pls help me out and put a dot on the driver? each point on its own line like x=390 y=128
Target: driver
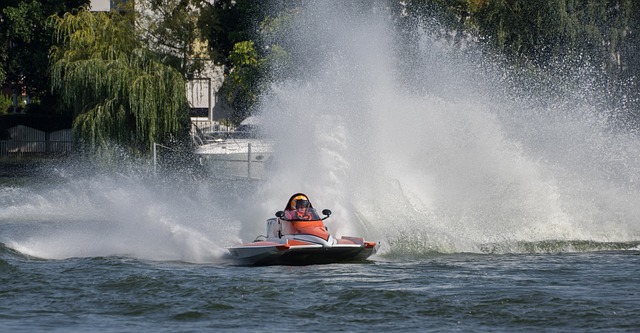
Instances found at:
x=302 y=210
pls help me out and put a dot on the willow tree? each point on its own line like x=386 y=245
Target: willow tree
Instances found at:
x=118 y=92
x=543 y=31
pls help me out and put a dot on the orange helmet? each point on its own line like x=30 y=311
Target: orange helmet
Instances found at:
x=299 y=199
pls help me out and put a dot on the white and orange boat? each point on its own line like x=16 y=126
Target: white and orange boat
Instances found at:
x=298 y=236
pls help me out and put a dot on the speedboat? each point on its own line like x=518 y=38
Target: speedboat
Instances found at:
x=242 y=153
x=301 y=239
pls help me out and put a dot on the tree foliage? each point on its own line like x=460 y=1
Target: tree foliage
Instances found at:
x=227 y=22
x=563 y=35
x=252 y=39
x=25 y=39
x=542 y=31
x=242 y=86
x=118 y=91
x=231 y=29
x=170 y=29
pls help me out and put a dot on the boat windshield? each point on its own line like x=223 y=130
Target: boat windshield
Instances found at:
x=224 y=136
x=310 y=215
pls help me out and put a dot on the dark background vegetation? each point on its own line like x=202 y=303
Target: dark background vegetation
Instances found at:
x=247 y=37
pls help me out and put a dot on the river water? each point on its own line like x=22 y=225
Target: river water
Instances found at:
x=114 y=254
x=502 y=202
x=595 y=291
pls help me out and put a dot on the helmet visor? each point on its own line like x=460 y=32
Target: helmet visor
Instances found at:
x=302 y=204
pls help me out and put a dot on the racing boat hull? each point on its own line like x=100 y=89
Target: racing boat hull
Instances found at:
x=274 y=253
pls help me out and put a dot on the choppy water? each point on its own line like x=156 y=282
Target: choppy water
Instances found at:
x=596 y=291
x=115 y=255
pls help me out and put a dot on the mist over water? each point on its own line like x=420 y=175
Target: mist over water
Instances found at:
x=404 y=140
x=116 y=215
x=445 y=159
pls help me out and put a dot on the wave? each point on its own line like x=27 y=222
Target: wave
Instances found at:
x=111 y=215
x=412 y=250
x=8 y=253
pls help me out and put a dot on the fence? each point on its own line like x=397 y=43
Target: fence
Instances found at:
x=25 y=141
x=34 y=148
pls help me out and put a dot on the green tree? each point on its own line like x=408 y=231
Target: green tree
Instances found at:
x=241 y=87
x=25 y=39
x=170 y=29
x=561 y=35
x=227 y=22
x=118 y=91
x=231 y=30
x=544 y=31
